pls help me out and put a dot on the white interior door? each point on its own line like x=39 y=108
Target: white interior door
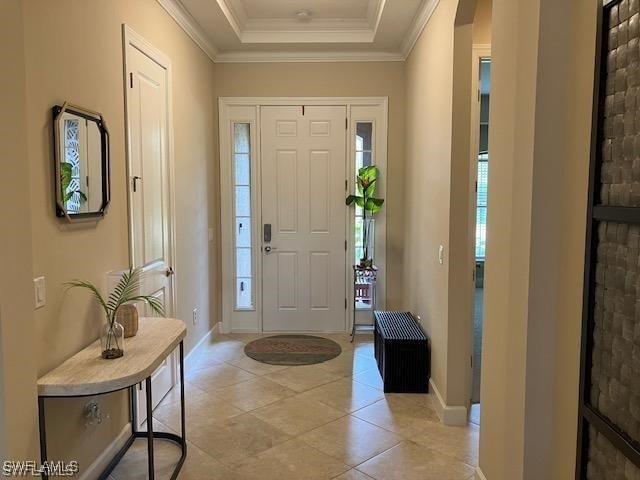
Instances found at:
x=303 y=190
x=150 y=193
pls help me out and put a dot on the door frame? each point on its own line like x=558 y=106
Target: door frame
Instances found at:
x=247 y=110
x=480 y=51
x=135 y=40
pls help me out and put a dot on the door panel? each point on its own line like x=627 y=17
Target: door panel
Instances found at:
x=149 y=193
x=303 y=191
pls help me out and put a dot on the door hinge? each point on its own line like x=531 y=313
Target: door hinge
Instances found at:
x=345 y=245
x=130 y=79
x=346 y=124
x=473 y=275
x=345 y=303
x=471 y=361
x=476 y=186
x=479 y=95
x=302 y=110
x=346 y=185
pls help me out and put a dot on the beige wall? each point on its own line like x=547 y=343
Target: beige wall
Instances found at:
x=482 y=23
x=338 y=80
x=437 y=170
x=429 y=93
x=540 y=133
x=74 y=52
x=18 y=420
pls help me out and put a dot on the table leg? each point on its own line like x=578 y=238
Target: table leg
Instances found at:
x=133 y=409
x=182 y=413
x=150 y=428
x=43 y=435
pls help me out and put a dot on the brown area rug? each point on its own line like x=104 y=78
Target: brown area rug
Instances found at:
x=292 y=350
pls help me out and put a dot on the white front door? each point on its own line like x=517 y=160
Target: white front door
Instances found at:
x=149 y=193
x=303 y=205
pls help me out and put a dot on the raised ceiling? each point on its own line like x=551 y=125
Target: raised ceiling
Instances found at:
x=302 y=30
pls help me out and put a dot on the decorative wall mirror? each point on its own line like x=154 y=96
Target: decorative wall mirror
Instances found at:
x=81 y=157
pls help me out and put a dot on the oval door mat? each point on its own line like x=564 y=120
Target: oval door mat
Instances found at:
x=292 y=349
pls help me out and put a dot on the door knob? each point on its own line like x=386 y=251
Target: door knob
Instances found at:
x=169 y=272
x=268 y=249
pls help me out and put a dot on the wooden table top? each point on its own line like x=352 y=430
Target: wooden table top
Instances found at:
x=87 y=373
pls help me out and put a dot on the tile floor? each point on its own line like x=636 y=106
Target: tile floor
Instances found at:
x=251 y=421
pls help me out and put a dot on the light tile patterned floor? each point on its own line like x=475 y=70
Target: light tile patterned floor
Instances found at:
x=251 y=421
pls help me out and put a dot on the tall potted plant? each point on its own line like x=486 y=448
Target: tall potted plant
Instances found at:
x=366 y=184
x=125 y=292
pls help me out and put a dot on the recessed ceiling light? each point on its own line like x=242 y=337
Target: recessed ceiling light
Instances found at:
x=303 y=15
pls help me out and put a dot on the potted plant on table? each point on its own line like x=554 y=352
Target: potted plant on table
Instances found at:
x=366 y=184
x=125 y=292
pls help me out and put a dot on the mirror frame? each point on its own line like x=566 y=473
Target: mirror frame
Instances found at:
x=58 y=154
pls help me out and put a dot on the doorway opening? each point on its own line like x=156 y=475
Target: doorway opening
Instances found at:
x=287 y=165
x=481 y=162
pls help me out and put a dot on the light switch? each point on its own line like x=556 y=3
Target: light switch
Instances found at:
x=40 y=292
x=441 y=255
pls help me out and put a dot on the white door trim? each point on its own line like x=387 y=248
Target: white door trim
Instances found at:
x=247 y=109
x=133 y=39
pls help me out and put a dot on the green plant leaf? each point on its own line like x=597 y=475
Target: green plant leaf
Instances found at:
x=371 y=189
x=65 y=178
x=374 y=205
x=368 y=173
x=351 y=199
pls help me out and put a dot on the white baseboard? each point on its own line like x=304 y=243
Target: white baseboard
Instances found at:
x=479 y=474
x=189 y=356
x=449 y=415
x=94 y=470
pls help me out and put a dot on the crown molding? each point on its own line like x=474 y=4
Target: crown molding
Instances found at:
x=375 y=14
x=423 y=15
x=184 y=19
x=288 y=57
x=191 y=27
x=235 y=15
x=290 y=30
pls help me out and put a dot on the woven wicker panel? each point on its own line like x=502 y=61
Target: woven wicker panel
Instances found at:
x=615 y=389
x=620 y=172
x=607 y=463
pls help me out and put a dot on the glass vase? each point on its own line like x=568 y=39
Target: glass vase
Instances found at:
x=368 y=242
x=112 y=340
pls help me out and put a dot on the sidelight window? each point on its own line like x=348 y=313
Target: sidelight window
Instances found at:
x=364 y=158
x=244 y=270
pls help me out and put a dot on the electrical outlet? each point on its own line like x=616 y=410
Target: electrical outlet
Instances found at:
x=195 y=316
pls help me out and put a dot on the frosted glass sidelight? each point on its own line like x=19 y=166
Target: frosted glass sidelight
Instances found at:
x=243 y=232
x=244 y=295
x=243 y=169
x=241 y=142
x=243 y=262
x=243 y=201
x=241 y=158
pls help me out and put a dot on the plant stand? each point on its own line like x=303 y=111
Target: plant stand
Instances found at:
x=364 y=292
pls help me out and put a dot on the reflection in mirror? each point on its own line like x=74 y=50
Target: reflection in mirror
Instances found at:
x=82 y=163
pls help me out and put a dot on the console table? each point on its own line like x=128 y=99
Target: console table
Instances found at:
x=87 y=374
